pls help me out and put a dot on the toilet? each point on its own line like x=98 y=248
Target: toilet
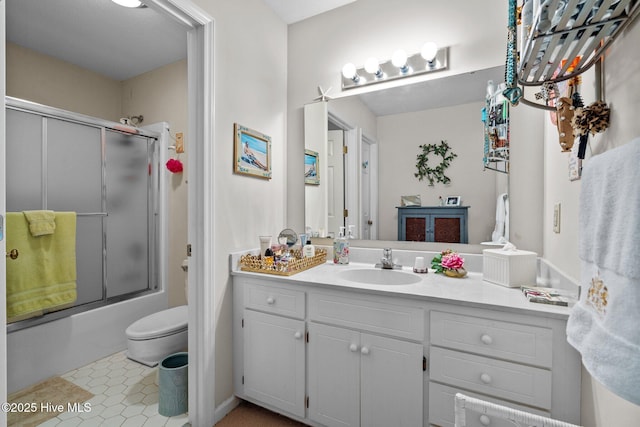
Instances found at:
x=152 y=338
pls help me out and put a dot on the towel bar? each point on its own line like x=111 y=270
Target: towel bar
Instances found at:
x=13 y=254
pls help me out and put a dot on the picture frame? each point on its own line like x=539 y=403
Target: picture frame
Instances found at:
x=251 y=152
x=452 y=201
x=311 y=168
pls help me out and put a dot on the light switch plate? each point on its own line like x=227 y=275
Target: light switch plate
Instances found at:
x=556 y=218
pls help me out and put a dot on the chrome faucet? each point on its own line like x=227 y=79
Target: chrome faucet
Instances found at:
x=387 y=260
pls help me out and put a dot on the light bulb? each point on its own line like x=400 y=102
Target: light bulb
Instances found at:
x=429 y=51
x=128 y=3
x=349 y=71
x=372 y=66
x=399 y=59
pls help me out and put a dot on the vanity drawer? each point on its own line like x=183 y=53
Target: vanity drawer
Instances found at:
x=272 y=299
x=506 y=380
x=442 y=406
x=510 y=341
x=381 y=316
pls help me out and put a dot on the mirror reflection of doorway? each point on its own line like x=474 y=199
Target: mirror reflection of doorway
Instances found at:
x=357 y=180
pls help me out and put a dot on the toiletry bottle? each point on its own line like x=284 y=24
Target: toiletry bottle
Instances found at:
x=350 y=236
x=341 y=248
x=308 y=250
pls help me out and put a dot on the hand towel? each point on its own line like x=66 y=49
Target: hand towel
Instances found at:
x=43 y=277
x=603 y=325
x=41 y=223
x=500 y=232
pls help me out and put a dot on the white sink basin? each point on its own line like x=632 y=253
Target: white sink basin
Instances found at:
x=378 y=276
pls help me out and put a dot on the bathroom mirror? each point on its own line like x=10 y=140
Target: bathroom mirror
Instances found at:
x=287 y=237
x=383 y=130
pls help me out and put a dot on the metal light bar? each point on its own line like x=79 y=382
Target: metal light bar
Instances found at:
x=416 y=65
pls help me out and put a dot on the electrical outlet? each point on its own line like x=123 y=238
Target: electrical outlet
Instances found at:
x=179 y=142
x=556 y=218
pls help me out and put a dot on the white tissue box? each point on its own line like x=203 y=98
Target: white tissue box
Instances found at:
x=511 y=268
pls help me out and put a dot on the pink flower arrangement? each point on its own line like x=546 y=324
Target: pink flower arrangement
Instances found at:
x=452 y=261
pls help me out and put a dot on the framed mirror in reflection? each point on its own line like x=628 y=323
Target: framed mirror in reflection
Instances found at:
x=381 y=132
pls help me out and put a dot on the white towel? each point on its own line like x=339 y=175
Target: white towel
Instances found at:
x=501 y=231
x=603 y=325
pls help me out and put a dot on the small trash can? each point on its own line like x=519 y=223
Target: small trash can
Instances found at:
x=173 y=385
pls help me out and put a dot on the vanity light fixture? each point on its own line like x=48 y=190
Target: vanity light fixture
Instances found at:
x=349 y=72
x=430 y=58
x=399 y=60
x=130 y=3
x=372 y=66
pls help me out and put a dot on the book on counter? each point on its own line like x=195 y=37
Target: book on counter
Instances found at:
x=542 y=295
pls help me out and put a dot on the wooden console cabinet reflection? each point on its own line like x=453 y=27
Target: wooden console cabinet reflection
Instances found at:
x=446 y=224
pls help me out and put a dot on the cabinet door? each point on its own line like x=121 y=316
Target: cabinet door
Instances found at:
x=334 y=376
x=392 y=382
x=274 y=358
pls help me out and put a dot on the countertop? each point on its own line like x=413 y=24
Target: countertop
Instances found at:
x=470 y=290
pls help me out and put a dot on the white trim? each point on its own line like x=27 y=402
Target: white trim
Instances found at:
x=3 y=283
x=227 y=406
x=201 y=205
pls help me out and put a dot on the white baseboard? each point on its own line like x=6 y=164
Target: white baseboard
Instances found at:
x=226 y=407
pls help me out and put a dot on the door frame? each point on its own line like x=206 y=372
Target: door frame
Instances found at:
x=200 y=40
x=354 y=139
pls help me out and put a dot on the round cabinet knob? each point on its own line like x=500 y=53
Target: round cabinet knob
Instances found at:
x=364 y=351
x=353 y=347
x=486 y=339
x=484 y=420
x=485 y=378
x=271 y=300
x=297 y=335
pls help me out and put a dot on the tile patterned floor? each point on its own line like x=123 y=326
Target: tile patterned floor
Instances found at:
x=126 y=395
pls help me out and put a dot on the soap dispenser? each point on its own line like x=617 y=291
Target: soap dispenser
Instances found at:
x=308 y=250
x=341 y=248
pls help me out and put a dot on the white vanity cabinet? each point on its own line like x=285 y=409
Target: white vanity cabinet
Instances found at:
x=328 y=354
x=518 y=361
x=358 y=378
x=274 y=347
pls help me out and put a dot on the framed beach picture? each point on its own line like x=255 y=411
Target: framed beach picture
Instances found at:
x=311 y=168
x=251 y=152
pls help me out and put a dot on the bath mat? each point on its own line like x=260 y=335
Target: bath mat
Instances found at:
x=49 y=398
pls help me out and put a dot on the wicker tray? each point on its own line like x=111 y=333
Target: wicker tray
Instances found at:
x=296 y=263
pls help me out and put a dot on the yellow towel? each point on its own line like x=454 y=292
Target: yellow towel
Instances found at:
x=41 y=223
x=43 y=276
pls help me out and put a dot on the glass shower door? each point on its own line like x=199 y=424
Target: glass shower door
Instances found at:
x=128 y=176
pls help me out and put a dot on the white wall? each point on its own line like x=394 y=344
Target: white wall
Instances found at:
x=600 y=407
x=250 y=89
x=376 y=27
x=321 y=45
x=399 y=138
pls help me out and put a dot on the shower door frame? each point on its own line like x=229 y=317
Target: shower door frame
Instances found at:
x=155 y=216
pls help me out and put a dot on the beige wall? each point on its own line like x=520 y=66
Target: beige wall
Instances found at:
x=158 y=95
x=161 y=95
x=50 y=81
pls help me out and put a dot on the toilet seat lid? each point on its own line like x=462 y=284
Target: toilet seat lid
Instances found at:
x=162 y=323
